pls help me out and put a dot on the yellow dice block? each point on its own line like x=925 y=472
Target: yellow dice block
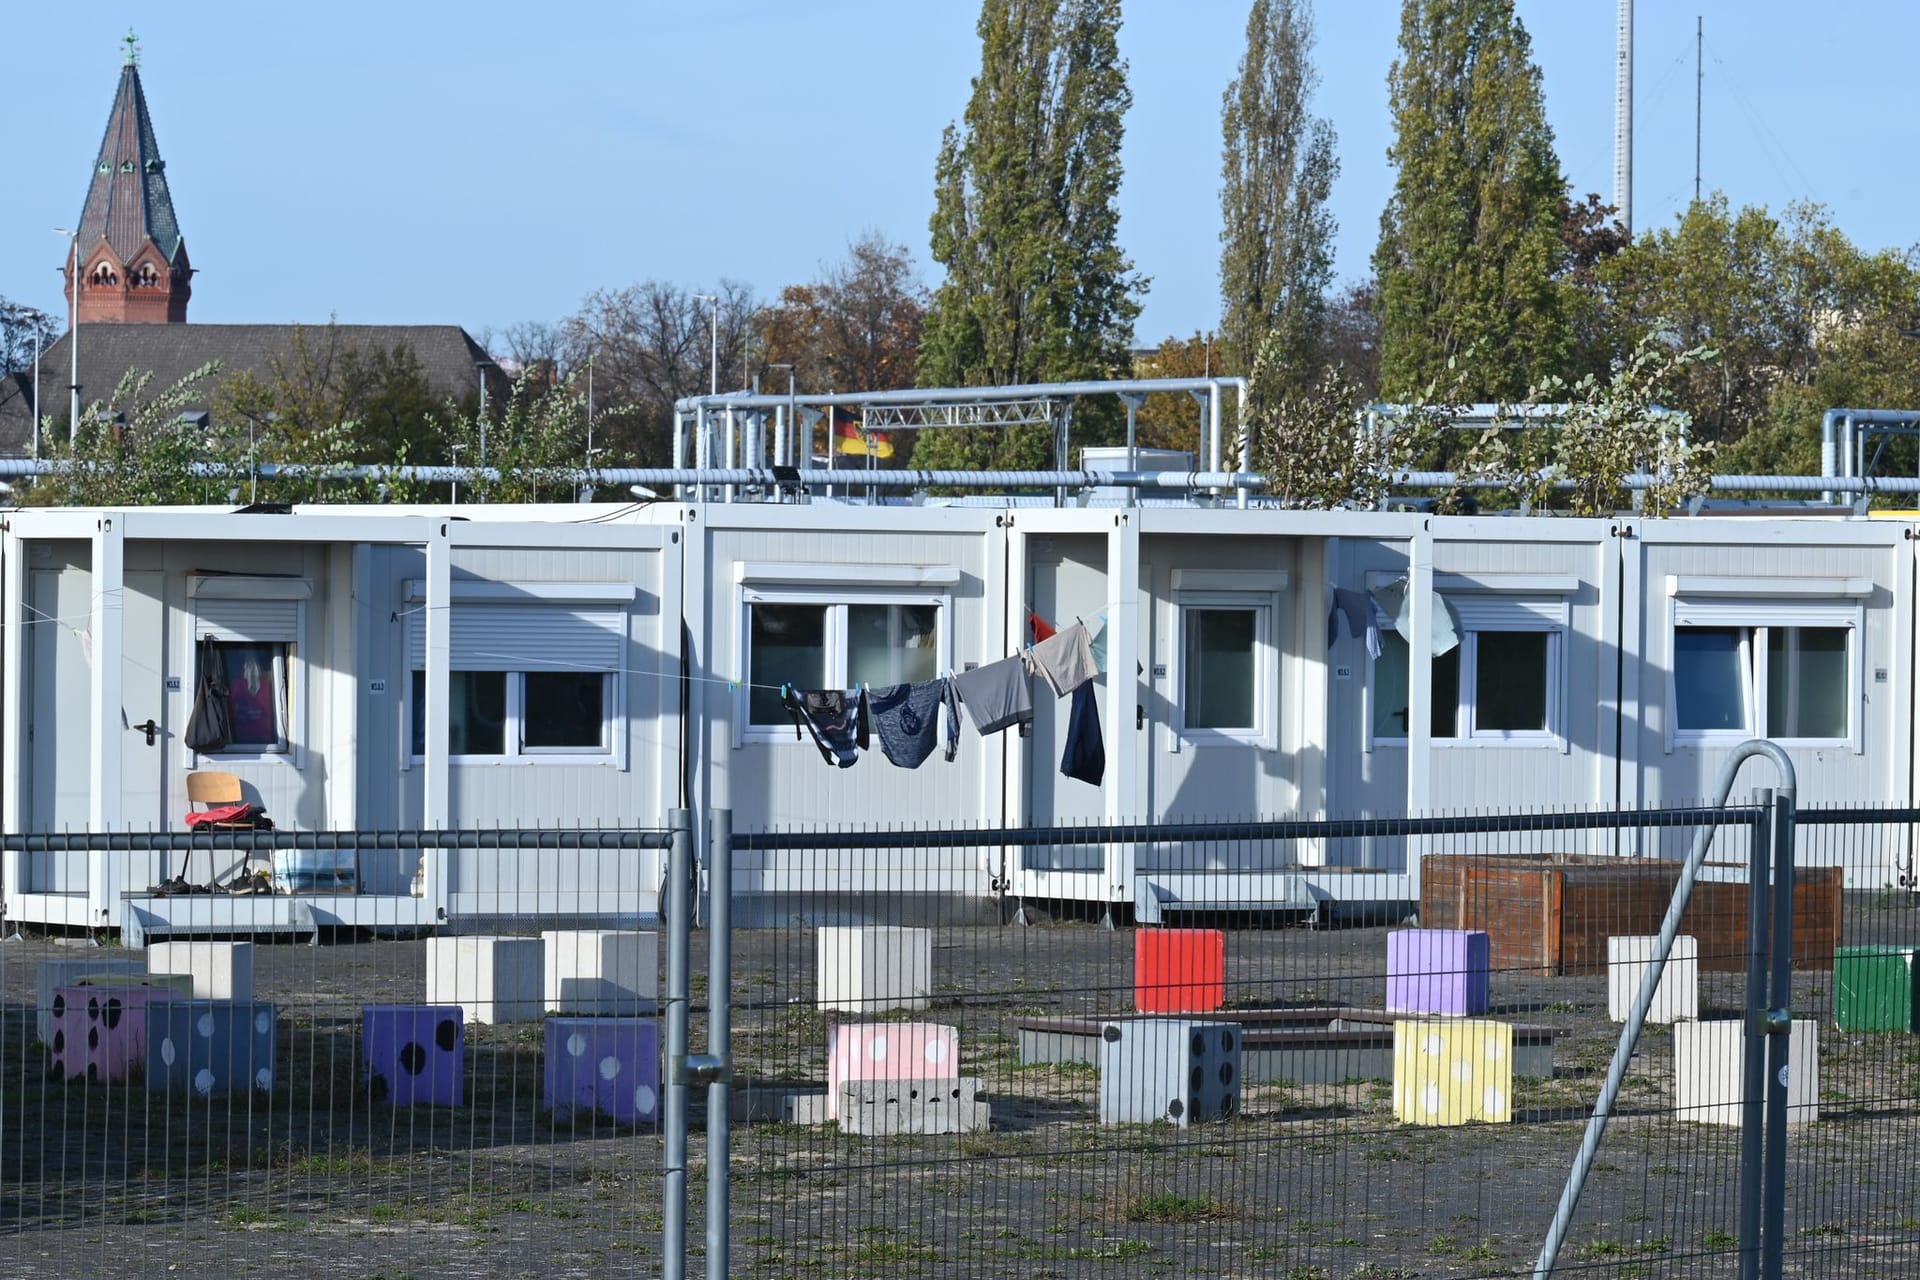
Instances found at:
x=1451 y=1072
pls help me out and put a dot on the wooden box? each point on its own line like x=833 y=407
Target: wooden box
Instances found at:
x=1553 y=913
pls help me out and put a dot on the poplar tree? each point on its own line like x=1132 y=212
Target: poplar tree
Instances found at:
x=1276 y=173
x=1037 y=288
x=1470 y=238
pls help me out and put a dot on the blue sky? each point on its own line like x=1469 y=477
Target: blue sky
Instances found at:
x=489 y=163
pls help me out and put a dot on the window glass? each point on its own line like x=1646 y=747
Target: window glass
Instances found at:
x=1710 y=679
x=1220 y=669
x=563 y=709
x=477 y=723
x=1807 y=682
x=892 y=643
x=256 y=676
x=1391 y=694
x=1510 y=682
x=787 y=644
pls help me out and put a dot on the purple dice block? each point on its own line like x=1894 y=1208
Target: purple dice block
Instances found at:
x=608 y=1065
x=101 y=1032
x=415 y=1054
x=1438 y=971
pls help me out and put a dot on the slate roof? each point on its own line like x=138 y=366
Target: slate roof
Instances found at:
x=447 y=355
x=128 y=200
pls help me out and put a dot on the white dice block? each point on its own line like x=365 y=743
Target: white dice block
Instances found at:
x=870 y=968
x=67 y=971
x=1676 y=999
x=491 y=979
x=602 y=972
x=220 y=970
x=1709 y=1063
x=1182 y=1072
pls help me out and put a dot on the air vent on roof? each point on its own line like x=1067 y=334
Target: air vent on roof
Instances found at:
x=266 y=509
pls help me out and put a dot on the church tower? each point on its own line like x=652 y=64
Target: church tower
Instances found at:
x=133 y=266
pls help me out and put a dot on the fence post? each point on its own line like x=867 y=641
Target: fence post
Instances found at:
x=1779 y=1026
x=719 y=1034
x=679 y=913
x=1753 y=1042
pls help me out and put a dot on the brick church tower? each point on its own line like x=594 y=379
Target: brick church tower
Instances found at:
x=133 y=264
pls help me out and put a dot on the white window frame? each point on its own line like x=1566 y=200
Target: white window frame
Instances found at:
x=1259 y=592
x=834 y=587
x=1707 y=603
x=1500 y=604
x=517 y=753
x=289 y=664
x=613 y=753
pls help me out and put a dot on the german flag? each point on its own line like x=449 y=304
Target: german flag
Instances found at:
x=848 y=438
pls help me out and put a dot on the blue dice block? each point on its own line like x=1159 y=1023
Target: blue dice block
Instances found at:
x=415 y=1053
x=607 y=1065
x=210 y=1048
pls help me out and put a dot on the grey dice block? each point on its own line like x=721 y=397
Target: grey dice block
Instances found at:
x=877 y=1108
x=1183 y=1072
x=210 y=1048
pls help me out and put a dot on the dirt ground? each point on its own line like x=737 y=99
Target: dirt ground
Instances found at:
x=317 y=1178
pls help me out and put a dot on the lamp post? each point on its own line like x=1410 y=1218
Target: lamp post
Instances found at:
x=73 y=328
x=714 y=359
x=454 y=451
x=38 y=320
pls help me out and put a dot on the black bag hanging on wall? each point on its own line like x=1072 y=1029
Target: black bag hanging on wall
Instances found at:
x=210 y=727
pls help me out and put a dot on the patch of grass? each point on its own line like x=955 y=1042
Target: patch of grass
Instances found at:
x=1482 y=1252
x=1719 y=1240
x=1166 y=1207
x=1441 y=1246
x=1600 y=1250
x=880 y=1251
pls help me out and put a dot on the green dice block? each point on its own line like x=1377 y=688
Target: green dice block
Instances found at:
x=1873 y=988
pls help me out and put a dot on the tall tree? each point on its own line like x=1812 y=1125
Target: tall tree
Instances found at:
x=1037 y=287
x=1470 y=239
x=1276 y=173
x=856 y=328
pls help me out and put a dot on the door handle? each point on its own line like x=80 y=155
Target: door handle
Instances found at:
x=151 y=729
x=1139 y=716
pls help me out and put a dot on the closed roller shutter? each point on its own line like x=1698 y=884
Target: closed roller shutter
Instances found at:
x=526 y=637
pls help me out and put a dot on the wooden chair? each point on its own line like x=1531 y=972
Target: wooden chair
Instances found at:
x=208 y=788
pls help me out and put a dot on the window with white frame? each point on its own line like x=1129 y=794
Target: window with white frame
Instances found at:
x=1501 y=683
x=798 y=638
x=1786 y=670
x=1226 y=655
x=252 y=625
x=535 y=672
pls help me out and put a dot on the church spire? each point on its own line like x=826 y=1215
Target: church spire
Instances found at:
x=133 y=259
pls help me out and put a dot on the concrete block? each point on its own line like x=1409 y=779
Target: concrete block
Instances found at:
x=100 y=1032
x=1709 y=1069
x=872 y=968
x=606 y=1065
x=491 y=979
x=602 y=971
x=220 y=970
x=210 y=1048
x=1444 y=971
x=1452 y=1071
x=889 y=1051
x=1676 y=998
x=1179 y=970
x=1180 y=1071
x=68 y=971
x=878 y=1108
x=415 y=1054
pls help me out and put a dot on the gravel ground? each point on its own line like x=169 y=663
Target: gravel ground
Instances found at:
x=1307 y=1182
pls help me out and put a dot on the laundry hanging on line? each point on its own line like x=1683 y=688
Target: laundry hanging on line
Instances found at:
x=1085 y=754
x=1039 y=628
x=997 y=695
x=1396 y=603
x=1065 y=659
x=906 y=719
x=836 y=718
x=1358 y=611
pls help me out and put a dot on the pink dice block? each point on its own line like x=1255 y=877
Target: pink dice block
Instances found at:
x=101 y=1032
x=889 y=1051
x=1445 y=971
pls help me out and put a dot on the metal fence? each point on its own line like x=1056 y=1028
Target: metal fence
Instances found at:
x=850 y=949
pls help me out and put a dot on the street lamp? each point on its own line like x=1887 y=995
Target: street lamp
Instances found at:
x=39 y=321
x=73 y=329
x=714 y=359
x=454 y=450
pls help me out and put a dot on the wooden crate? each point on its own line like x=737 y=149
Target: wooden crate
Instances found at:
x=1553 y=913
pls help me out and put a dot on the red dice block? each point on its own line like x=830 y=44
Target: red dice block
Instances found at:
x=1179 y=970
